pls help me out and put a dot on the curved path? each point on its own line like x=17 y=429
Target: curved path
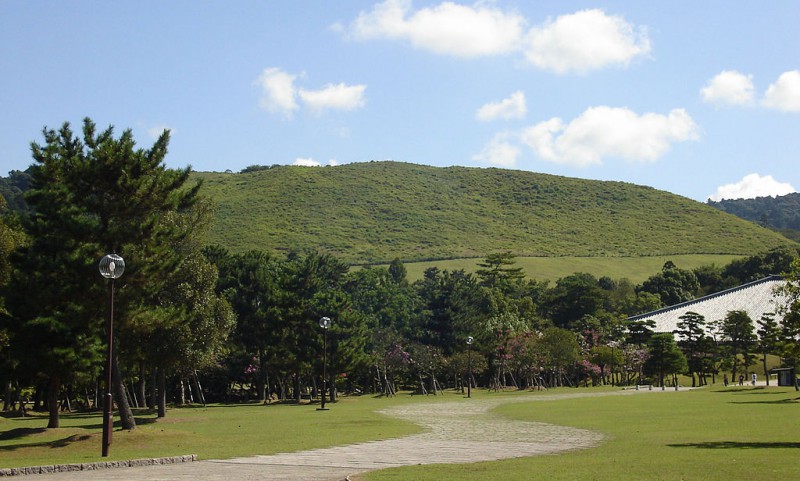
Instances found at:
x=455 y=432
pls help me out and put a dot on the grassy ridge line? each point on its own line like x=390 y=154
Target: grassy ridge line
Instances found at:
x=377 y=211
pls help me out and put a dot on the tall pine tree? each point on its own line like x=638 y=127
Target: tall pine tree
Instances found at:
x=90 y=197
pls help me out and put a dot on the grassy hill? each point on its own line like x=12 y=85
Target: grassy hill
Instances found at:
x=373 y=212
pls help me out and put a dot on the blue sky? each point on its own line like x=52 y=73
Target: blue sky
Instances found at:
x=697 y=98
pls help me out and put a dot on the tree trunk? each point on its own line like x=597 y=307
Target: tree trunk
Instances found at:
x=268 y=393
x=332 y=388
x=260 y=382
x=126 y=419
x=199 y=389
x=53 y=388
x=183 y=392
x=132 y=397
x=96 y=399
x=7 y=396
x=184 y=399
x=142 y=384
x=152 y=401
x=766 y=374
x=162 y=393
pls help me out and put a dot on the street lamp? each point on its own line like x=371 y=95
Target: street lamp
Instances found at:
x=111 y=267
x=324 y=323
x=469 y=366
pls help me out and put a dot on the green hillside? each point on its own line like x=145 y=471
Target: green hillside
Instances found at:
x=373 y=212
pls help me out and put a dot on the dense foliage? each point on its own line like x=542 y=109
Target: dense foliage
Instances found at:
x=245 y=321
x=778 y=212
x=90 y=195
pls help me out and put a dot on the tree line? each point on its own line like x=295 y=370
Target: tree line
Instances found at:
x=780 y=213
x=197 y=323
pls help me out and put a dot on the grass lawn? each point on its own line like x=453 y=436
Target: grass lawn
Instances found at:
x=637 y=269
x=710 y=434
x=213 y=432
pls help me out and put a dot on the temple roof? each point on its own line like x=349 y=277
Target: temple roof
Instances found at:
x=755 y=298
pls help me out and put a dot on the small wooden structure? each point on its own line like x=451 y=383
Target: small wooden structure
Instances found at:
x=786 y=376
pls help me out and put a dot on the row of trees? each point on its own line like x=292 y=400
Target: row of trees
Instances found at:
x=246 y=323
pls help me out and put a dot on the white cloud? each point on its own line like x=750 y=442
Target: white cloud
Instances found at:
x=728 y=87
x=752 y=186
x=513 y=107
x=585 y=40
x=601 y=132
x=309 y=162
x=280 y=95
x=579 y=42
x=278 y=92
x=301 y=162
x=784 y=94
x=499 y=151
x=340 y=97
x=447 y=28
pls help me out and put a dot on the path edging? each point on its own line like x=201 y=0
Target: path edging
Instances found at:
x=61 y=468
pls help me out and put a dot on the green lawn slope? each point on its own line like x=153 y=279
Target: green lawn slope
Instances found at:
x=373 y=212
x=635 y=269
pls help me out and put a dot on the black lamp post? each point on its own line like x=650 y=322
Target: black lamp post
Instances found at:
x=324 y=323
x=469 y=366
x=111 y=267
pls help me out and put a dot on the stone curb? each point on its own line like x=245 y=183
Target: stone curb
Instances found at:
x=61 y=468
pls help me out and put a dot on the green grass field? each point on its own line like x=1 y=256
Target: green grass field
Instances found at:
x=213 y=432
x=637 y=269
x=710 y=434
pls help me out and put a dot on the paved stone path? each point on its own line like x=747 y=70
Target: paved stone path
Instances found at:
x=455 y=432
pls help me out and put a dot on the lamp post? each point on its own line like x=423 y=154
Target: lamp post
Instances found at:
x=111 y=267
x=324 y=323
x=469 y=366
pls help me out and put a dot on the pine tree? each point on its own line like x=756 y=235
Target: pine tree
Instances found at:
x=90 y=197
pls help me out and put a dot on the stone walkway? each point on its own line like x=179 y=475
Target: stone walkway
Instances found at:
x=455 y=432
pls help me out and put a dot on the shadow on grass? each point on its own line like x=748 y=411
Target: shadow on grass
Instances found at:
x=747 y=390
x=20 y=432
x=778 y=401
x=57 y=443
x=735 y=445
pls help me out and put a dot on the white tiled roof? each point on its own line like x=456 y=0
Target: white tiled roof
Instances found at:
x=755 y=298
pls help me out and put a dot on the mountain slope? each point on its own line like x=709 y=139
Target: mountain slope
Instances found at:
x=373 y=212
x=780 y=213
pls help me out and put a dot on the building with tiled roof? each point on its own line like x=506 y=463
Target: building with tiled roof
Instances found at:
x=755 y=298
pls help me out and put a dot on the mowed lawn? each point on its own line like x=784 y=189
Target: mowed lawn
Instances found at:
x=710 y=434
x=636 y=269
x=213 y=432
